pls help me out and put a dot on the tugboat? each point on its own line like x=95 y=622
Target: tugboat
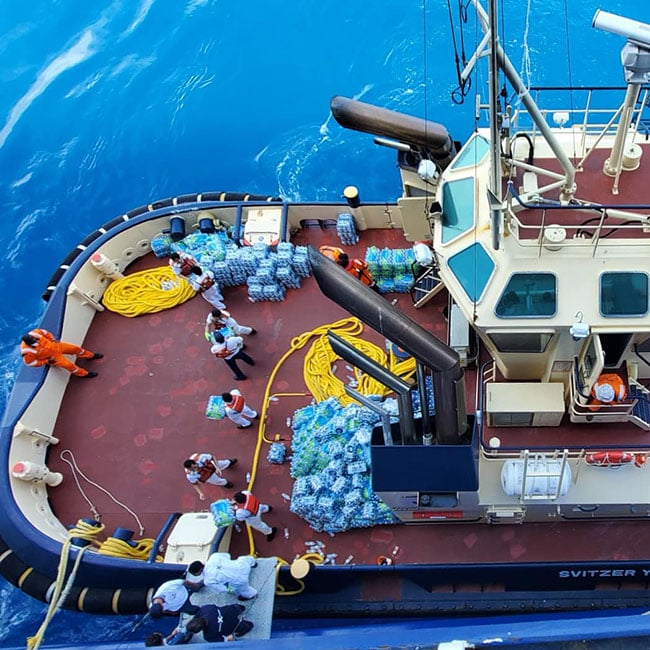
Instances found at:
x=470 y=435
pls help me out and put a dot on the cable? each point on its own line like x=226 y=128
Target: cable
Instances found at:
x=147 y=292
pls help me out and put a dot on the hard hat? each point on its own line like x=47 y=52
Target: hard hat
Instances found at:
x=604 y=392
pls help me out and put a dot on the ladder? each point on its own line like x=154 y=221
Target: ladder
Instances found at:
x=535 y=467
x=427 y=285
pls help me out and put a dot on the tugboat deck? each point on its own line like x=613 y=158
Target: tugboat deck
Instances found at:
x=132 y=427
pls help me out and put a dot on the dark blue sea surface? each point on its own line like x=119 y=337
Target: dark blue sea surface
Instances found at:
x=106 y=106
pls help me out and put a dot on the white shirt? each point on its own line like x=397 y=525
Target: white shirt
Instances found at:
x=174 y=594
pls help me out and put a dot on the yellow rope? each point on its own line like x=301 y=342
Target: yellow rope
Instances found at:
x=119 y=548
x=88 y=532
x=280 y=590
x=60 y=592
x=144 y=293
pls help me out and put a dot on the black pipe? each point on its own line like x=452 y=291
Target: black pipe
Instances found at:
x=349 y=353
x=378 y=313
x=359 y=116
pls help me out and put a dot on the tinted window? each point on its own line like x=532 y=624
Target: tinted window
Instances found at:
x=623 y=294
x=532 y=295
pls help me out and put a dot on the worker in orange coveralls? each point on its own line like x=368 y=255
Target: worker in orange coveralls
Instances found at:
x=608 y=389
x=39 y=348
x=358 y=268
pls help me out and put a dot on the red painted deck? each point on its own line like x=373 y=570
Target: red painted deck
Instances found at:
x=133 y=425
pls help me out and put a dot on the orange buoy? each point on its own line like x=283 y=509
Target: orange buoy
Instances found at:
x=614 y=459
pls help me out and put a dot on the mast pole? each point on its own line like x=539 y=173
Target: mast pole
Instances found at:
x=495 y=150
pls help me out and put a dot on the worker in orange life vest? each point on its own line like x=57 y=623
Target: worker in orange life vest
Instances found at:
x=237 y=409
x=204 y=282
x=609 y=388
x=248 y=508
x=205 y=468
x=182 y=263
x=40 y=348
x=356 y=267
x=230 y=349
x=220 y=318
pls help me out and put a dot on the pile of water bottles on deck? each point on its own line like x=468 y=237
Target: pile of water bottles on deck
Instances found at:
x=330 y=463
x=267 y=271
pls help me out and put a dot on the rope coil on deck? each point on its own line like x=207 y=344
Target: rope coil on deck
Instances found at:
x=120 y=548
x=147 y=292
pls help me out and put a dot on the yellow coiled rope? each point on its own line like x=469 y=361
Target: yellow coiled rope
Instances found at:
x=321 y=381
x=88 y=532
x=119 y=548
x=147 y=292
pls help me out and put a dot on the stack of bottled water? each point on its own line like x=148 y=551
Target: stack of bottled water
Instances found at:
x=267 y=272
x=161 y=245
x=391 y=268
x=346 y=229
x=277 y=453
x=300 y=262
x=331 y=467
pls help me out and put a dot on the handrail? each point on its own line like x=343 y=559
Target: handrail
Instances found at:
x=166 y=527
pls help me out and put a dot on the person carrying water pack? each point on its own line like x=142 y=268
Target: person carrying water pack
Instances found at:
x=220 y=318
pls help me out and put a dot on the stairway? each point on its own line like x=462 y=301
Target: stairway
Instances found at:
x=641 y=412
x=427 y=284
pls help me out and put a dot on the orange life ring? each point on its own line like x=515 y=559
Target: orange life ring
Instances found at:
x=614 y=458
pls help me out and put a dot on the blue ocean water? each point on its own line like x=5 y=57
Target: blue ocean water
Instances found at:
x=109 y=105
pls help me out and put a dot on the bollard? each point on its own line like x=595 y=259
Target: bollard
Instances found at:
x=351 y=195
x=35 y=473
x=106 y=266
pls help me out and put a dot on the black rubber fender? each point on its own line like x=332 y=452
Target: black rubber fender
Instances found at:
x=137 y=211
x=109 y=225
x=89 y=239
x=51 y=285
x=71 y=257
x=83 y=599
x=36 y=584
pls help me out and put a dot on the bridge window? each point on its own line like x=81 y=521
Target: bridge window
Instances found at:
x=528 y=295
x=623 y=294
x=457 y=208
x=472 y=267
x=472 y=154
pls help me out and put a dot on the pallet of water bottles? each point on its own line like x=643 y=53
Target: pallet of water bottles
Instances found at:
x=330 y=465
x=268 y=272
x=391 y=268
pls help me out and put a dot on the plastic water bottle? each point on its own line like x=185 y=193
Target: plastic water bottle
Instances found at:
x=348 y=559
x=395 y=551
x=286 y=533
x=248 y=477
x=286 y=497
